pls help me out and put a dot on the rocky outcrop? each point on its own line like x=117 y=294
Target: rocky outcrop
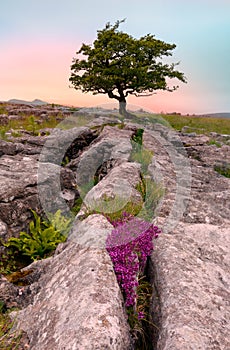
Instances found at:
x=190 y=265
x=33 y=161
x=19 y=191
x=191 y=279
x=192 y=178
x=73 y=300
x=79 y=303
x=116 y=192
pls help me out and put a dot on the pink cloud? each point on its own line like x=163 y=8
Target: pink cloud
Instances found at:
x=36 y=69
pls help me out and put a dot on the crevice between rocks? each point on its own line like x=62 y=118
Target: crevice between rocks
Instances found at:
x=155 y=307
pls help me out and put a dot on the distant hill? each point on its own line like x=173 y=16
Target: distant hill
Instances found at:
x=35 y=102
x=217 y=115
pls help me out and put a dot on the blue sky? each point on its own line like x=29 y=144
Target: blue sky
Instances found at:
x=39 y=38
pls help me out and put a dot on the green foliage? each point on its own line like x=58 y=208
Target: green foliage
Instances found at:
x=77 y=206
x=223 y=169
x=119 y=65
x=59 y=222
x=138 y=137
x=7 y=263
x=214 y=142
x=65 y=161
x=9 y=338
x=16 y=134
x=138 y=318
x=3 y=109
x=200 y=125
x=43 y=237
x=84 y=188
x=113 y=208
x=142 y=156
x=15 y=126
x=32 y=124
x=3 y=135
x=154 y=193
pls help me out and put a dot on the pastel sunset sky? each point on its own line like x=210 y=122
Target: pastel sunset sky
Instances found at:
x=39 y=38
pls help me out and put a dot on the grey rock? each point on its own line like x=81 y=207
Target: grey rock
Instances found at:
x=206 y=195
x=113 y=144
x=79 y=305
x=18 y=179
x=3 y=229
x=191 y=275
x=190 y=266
x=68 y=143
x=3 y=119
x=19 y=192
x=115 y=191
x=10 y=148
x=8 y=293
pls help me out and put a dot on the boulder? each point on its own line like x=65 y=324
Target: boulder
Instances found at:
x=79 y=305
x=190 y=272
x=195 y=192
x=112 y=145
x=3 y=230
x=10 y=148
x=191 y=279
x=19 y=192
x=69 y=143
x=18 y=178
x=116 y=191
x=3 y=119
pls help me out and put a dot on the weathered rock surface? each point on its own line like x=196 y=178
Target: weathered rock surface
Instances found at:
x=191 y=276
x=191 y=260
x=73 y=300
x=22 y=168
x=205 y=192
x=79 y=304
x=115 y=191
x=112 y=144
x=67 y=143
x=19 y=191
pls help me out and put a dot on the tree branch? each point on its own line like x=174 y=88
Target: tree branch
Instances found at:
x=145 y=95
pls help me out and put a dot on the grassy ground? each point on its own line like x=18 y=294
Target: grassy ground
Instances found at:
x=28 y=123
x=200 y=125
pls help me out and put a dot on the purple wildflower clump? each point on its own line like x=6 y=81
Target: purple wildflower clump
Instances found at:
x=129 y=245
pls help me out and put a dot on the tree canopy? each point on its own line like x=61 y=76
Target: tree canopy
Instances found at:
x=119 y=65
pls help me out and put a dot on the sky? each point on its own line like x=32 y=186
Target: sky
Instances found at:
x=39 y=38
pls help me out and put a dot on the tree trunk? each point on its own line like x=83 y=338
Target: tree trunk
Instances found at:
x=123 y=111
x=122 y=108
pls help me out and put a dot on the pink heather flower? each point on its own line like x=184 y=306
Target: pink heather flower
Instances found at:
x=141 y=315
x=129 y=245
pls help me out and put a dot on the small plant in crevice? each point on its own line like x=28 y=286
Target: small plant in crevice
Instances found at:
x=43 y=238
x=215 y=143
x=140 y=154
x=152 y=193
x=139 y=319
x=223 y=169
x=129 y=245
x=143 y=156
x=9 y=338
x=138 y=136
x=77 y=205
x=8 y=263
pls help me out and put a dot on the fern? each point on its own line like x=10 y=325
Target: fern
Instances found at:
x=43 y=237
x=60 y=222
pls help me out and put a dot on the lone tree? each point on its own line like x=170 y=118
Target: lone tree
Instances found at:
x=119 y=65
